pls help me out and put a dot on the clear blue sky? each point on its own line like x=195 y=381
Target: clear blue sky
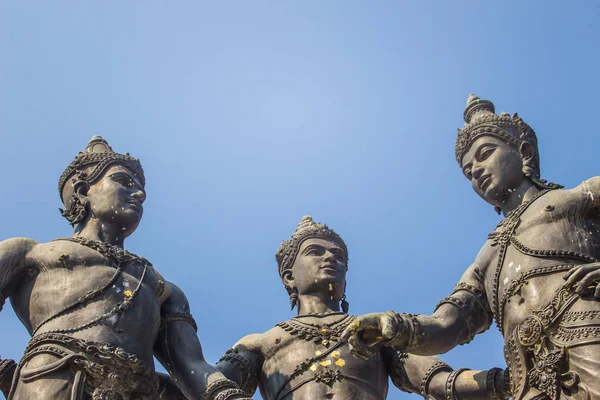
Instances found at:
x=248 y=115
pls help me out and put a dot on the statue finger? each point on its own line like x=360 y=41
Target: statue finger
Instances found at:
x=388 y=328
x=350 y=330
x=597 y=291
x=587 y=281
x=576 y=275
x=358 y=348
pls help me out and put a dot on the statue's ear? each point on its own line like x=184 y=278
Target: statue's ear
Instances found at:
x=79 y=204
x=527 y=151
x=288 y=279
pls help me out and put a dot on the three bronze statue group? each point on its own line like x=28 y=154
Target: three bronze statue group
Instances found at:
x=98 y=314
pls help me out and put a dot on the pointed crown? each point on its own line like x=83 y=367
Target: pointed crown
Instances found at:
x=92 y=162
x=481 y=119
x=307 y=228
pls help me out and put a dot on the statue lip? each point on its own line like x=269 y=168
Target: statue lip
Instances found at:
x=484 y=181
x=136 y=204
x=330 y=267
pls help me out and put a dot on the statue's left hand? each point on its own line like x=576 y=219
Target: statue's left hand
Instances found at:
x=369 y=330
x=583 y=277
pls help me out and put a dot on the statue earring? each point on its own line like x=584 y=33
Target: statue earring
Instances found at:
x=293 y=298
x=345 y=304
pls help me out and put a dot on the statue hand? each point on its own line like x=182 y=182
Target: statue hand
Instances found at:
x=583 y=277
x=369 y=330
x=7 y=370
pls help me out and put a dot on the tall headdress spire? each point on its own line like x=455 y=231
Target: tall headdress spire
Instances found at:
x=307 y=228
x=87 y=168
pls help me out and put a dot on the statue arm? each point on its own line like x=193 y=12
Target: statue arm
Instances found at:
x=168 y=389
x=13 y=264
x=431 y=377
x=243 y=363
x=178 y=349
x=456 y=320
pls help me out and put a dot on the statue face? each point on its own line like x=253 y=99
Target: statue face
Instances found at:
x=117 y=198
x=494 y=169
x=320 y=267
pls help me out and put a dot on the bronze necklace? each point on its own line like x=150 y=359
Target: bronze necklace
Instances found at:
x=317 y=333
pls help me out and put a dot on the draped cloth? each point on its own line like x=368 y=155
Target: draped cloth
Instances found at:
x=57 y=366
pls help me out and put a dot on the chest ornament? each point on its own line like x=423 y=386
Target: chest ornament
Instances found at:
x=324 y=334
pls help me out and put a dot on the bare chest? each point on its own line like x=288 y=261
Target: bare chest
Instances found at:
x=72 y=288
x=529 y=252
x=302 y=367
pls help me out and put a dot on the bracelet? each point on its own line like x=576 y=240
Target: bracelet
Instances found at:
x=438 y=366
x=490 y=383
x=223 y=389
x=403 y=323
x=451 y=383
x=229 y=394
x=416 y=332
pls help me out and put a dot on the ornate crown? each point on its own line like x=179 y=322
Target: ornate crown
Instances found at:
x=307 y=228
x=481 y=120
x=94 y=160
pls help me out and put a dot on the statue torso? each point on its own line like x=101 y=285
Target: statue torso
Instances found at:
x=331 y=373
x=527 y=255
x=61 y=273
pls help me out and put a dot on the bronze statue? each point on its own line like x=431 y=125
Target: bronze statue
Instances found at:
x=537 y=274
x=97 y=313
x=305 y=358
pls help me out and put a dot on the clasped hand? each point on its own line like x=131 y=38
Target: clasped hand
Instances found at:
x=370 y=331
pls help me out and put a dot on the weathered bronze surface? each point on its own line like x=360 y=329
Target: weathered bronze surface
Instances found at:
x=537 y=275
x=96 y=312
x=305 y=358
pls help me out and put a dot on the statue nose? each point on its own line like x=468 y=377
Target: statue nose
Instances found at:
x=476 y=171
x=140 y=195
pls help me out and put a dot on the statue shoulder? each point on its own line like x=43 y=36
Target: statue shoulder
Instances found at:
x=18 y=243
x=253 y=343
x=584 y=196
x=589 y=188
x=17 y=250
x=15 y=258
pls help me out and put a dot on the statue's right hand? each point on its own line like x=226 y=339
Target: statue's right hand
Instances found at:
x=366 y=332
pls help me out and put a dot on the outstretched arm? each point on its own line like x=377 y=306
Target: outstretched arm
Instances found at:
x=178 y=349
x=432 y=378
x=243 y=363
x=456 y=320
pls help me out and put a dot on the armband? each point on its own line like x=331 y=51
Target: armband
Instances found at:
x=185 y=317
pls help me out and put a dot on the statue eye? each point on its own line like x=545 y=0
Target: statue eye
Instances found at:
x=486 y=153
x=467 y=173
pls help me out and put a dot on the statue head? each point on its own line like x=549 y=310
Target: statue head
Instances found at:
x=105 y=185
x=314 y=260
x=497 y=152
